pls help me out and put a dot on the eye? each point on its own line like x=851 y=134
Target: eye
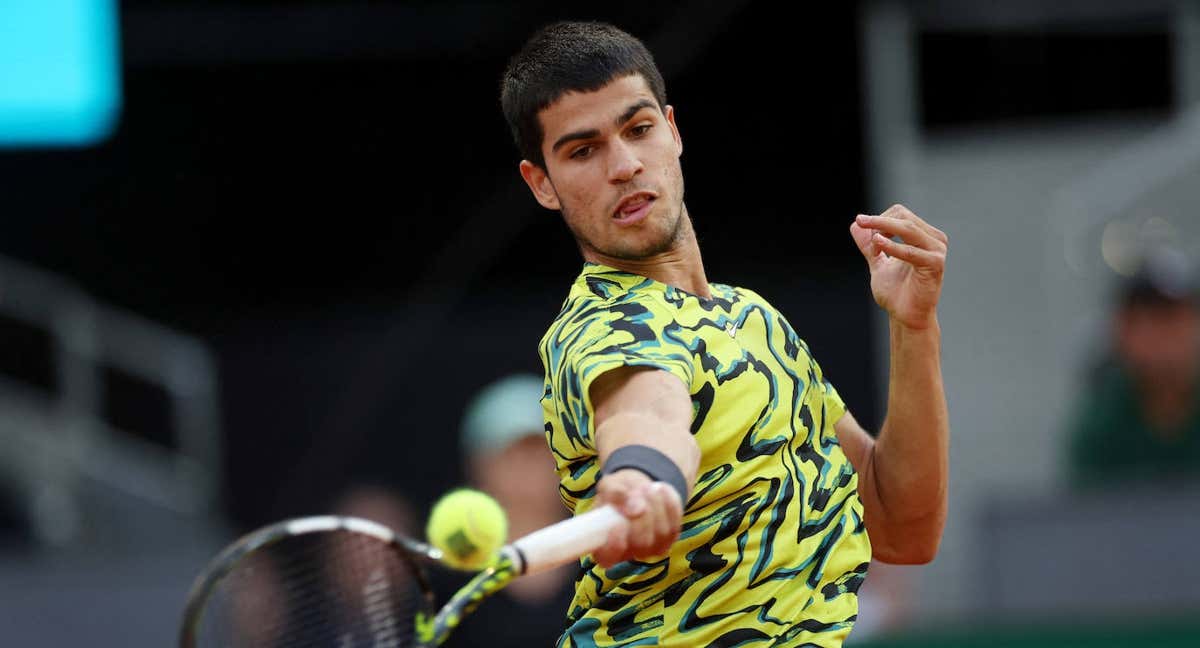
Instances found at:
x=581 y=152
x=641 y=129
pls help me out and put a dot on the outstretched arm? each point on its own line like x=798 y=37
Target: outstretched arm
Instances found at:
x=646 y=407
x=903 y=474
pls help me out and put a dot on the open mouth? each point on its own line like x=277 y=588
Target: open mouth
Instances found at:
x=633 y=208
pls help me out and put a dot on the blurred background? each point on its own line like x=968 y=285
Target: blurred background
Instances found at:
x=258 y=257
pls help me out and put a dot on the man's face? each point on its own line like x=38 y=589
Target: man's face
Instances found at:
x=612 y=169
x=1160 y=342
x=520 y=476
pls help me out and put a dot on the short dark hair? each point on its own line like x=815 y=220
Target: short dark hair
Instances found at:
x=568 y=57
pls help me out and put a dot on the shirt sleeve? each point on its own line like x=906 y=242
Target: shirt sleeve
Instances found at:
x=833 y=407
x=633 y=333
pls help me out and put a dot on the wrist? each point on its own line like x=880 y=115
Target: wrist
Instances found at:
x=628 y=476
x=915 y=342
x=650 y=462
x=928 y=326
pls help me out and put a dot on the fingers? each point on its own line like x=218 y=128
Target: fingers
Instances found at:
x=650 y=532
x=904 y=213
x=614 y=548
x=624 y=490
x=933 y=261
x=670 y=518
x=643 y=530
x=910 y=231
x=924 y=246
x=862 y=239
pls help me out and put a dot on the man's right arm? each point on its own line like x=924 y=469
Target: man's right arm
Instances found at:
x=647 y=407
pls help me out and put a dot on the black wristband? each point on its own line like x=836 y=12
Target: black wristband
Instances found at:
x=654 y=464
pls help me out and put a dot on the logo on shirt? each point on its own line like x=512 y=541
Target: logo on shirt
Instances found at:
x=731 y=328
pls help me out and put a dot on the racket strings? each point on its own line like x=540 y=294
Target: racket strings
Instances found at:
x=335 y=590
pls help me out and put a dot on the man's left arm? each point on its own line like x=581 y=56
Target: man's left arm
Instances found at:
x=903 y=473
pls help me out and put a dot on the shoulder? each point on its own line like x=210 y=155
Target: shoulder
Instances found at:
x=747 y=299
x=595 y=311
x=740 y=297
x=741 y=293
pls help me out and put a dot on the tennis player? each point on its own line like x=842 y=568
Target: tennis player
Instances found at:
x=694 y=407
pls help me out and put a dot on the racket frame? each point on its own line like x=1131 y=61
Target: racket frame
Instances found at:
x=229 y=558
x=541 y=550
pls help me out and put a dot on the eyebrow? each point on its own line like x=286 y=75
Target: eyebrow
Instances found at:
x=634 y=109
x=590 y=133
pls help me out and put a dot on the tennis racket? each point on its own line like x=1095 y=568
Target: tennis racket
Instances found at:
x=344 y=582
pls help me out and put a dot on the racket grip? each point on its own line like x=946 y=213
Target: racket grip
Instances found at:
x=564 y=542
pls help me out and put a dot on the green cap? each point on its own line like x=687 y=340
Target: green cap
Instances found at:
x=503 y=412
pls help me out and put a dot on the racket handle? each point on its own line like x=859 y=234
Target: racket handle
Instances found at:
x=564 y=542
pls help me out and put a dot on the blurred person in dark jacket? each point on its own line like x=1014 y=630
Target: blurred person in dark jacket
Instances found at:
x=1139 y=419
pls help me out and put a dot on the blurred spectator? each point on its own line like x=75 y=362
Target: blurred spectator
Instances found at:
x=505 y=450
x=1139 y=419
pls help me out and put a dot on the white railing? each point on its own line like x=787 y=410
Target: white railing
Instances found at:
x=53 y=444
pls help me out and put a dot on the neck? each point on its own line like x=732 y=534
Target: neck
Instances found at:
x=680 y=265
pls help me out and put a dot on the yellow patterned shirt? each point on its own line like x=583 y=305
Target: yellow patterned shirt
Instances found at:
x=773 y=547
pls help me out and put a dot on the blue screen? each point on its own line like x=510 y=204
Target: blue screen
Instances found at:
x=60 y=73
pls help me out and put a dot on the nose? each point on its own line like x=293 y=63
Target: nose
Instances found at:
x=623 y=164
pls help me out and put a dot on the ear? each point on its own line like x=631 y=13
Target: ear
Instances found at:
x=670 y=114
x=539 y=183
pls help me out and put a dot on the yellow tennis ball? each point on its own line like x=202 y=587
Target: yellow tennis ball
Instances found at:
x=468 y=526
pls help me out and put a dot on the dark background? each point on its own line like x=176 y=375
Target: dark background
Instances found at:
x=341 y=216
x=327 y=194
